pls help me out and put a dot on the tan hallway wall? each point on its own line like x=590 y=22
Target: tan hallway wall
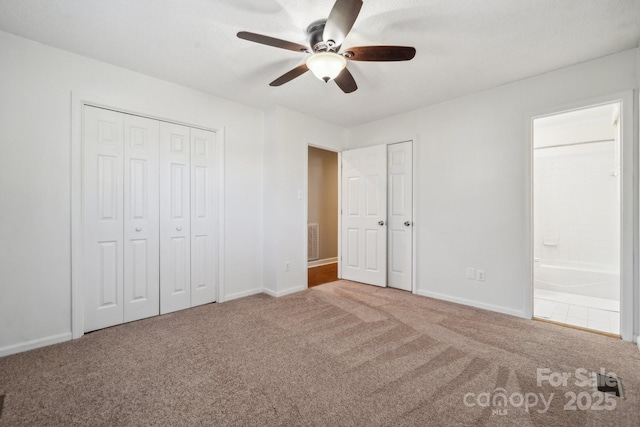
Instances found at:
x=323 y=199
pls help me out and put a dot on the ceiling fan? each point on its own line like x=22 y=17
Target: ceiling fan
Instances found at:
x=325 y=36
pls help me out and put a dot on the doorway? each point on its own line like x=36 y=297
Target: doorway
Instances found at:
x=577 y=217
x=322 y=217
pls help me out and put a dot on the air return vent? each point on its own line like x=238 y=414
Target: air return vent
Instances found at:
x=313 y=245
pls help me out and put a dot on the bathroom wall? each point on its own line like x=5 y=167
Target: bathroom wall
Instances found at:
x=576 y=189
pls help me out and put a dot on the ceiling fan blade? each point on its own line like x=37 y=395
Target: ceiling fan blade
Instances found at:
x=380 y=53
x=271 y=41
x=290 y=75
x=346 y=82
x=341 y=20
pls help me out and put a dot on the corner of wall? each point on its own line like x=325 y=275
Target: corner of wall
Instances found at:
x=277 y=294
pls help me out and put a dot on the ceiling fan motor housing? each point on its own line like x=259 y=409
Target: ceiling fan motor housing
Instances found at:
x=315 y=33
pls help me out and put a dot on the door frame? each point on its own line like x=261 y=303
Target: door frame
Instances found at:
x=121 y=104
x=414 y=210
x=628 y=206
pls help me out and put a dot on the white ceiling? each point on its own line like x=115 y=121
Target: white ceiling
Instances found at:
x=463 y=46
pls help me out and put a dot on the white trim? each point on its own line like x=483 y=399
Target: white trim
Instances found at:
x=221 y=291
x=320 y=262
x=78 y=101
x=37 y=343
x=414 y=202
x=472 y=303
x=628 y=214
x=244 y=294
x=77 y=290
x=636 y=212
x=282 y=293
x=414 y=215
x=305 y=210
x=340 y=214
x=527 y=300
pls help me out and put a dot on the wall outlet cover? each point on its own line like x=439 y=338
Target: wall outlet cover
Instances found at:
x=471 y=273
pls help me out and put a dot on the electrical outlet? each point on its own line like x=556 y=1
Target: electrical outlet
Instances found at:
x=287 y=266
x=471 y=273
x=480 y=275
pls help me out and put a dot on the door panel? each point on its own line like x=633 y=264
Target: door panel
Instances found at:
x=364 y=200
x=109 y=268
x=204 y=217
x=141 y=289
x=175 y=226
x=102 y=218
x=141 y=226
x=400 y=169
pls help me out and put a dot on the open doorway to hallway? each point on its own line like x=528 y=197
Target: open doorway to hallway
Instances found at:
x=577 y=218
x=322 y=216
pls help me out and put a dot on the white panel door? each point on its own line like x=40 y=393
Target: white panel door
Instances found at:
x=102 y=218
x=364 y=215
x=204 y=216
x=400 y=208
x=175 y=217
x=141 y=224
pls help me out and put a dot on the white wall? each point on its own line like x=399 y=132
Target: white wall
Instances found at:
x=636 y=131
x=288 y=134
x=473 y=166
x=36 y=82
x=576 y=190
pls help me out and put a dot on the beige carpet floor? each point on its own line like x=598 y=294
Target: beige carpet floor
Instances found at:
x=341 y=354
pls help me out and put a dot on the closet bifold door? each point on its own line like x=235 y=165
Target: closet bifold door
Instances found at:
x=141 y=225
x=175 y=217
x=204 y=211
x=120 y=218
x=102 y=218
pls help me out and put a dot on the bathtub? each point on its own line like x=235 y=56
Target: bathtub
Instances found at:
x=575 y=278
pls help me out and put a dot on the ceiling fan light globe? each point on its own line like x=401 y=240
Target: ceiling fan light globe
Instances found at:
x=326 y=65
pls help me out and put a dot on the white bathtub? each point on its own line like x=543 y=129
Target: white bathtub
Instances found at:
x=574 y=278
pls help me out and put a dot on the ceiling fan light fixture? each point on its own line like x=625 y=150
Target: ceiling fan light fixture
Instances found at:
x=326 y=65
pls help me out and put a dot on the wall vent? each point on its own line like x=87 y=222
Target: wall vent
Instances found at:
x=313 y=244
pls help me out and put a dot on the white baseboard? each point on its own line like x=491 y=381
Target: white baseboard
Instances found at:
x=284 y=292
x=243 y=294
x=30 y=345
x=319 y=262
x=471 y=303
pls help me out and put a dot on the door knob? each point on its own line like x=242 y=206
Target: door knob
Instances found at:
x=179 y=228
x=380 y=222
x=407 y=223
x=138 y=228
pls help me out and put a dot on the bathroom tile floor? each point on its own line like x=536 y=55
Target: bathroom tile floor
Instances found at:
x=599 y=314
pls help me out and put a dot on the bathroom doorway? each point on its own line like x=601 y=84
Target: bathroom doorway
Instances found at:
x=577 y=218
